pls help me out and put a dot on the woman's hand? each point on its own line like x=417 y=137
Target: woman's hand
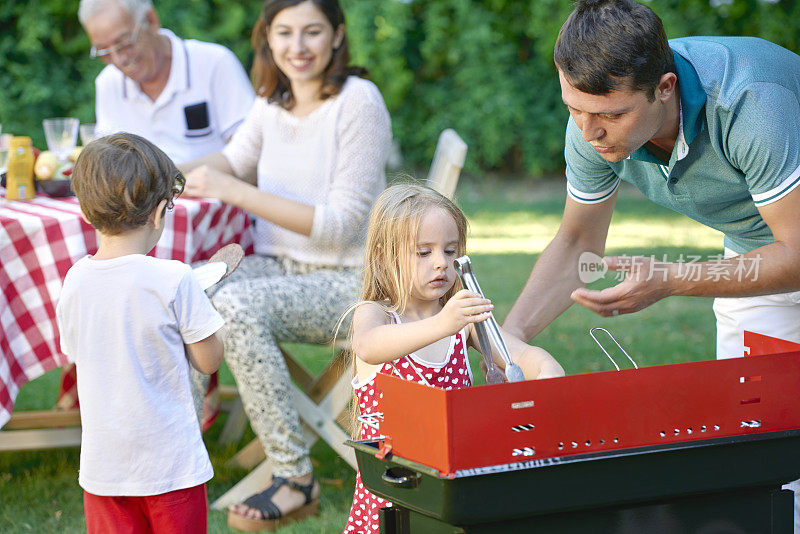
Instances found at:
x=207 y=182
x=463 y=308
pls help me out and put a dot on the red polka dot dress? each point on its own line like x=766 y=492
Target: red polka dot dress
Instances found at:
x=453 y=373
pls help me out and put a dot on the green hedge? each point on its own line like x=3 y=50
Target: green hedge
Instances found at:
x=483 y=67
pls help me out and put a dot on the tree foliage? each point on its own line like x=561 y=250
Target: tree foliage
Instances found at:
x=483 y=67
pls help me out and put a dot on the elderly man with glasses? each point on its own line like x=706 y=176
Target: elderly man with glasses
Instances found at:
x=186 y=96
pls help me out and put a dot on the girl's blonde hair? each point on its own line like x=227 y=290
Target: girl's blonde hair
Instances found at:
x=391 y=241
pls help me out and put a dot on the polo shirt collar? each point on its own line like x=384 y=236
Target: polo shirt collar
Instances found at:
x=681 y=146
x=693 y=98
x=179 y=77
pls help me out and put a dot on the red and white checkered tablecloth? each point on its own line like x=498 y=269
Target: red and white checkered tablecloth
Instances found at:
x=41 y=239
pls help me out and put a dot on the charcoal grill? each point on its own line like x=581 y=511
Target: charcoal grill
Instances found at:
x=693 y=447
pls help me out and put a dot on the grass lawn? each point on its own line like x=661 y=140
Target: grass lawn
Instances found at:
x=510 y=224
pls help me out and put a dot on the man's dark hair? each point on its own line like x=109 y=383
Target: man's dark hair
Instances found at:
x=605 y=44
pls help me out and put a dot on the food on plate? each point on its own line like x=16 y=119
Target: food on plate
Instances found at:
x=59 y=184
x=45 y=166
x=75 y=153
x=63 y=172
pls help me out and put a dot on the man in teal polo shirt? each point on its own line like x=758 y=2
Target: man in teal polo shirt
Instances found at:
x=707 y=126
x=730 y=164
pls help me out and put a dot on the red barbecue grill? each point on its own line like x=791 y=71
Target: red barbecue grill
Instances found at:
x=670 y=448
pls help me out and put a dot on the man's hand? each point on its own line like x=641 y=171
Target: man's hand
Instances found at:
x=646 y=281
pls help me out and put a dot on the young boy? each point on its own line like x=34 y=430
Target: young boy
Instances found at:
x=124 y=319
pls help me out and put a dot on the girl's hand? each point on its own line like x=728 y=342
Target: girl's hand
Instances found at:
x=550 y=369
x=207 y=182
x=535 y=362
x=463 y=308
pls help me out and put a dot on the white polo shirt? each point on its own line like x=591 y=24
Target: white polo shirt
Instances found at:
x=206 y=97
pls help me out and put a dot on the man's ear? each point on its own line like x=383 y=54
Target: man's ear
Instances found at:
x=152 y=19
x=83 y=216
x=667 y=86
x=158 y=214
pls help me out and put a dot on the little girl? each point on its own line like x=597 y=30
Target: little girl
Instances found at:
x=412 y=320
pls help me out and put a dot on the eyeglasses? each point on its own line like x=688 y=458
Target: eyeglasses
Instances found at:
x=177 y=189
x=118 y=48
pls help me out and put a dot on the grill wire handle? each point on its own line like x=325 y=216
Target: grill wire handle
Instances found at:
x=591 y=333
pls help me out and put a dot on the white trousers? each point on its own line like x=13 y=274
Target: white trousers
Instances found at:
x=771 y=315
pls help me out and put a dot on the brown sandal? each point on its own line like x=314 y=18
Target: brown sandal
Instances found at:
x=271 y=517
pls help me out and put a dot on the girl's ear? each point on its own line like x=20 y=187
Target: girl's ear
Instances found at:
x=83 y=216
x=158 y=214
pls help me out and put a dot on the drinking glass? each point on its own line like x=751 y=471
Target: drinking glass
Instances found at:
x=62 y=136
x=87 y=133
x=5 y=150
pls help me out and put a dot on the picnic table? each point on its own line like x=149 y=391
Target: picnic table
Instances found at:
x=41 y=239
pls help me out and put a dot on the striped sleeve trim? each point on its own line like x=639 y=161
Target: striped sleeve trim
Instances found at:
x=777 y=193
x=591 y=198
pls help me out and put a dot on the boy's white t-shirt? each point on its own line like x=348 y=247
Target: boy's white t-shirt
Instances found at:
x=123 y=322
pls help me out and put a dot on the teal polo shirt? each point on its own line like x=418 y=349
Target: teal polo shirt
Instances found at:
x=738 y=145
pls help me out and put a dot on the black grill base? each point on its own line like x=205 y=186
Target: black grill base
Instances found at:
x=720 y=486
x=757 y=511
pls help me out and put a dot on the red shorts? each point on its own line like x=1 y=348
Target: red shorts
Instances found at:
x=176 y=512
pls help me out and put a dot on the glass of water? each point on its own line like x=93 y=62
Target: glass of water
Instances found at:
x=62 y=136
x=87 y=133
x=5 y=150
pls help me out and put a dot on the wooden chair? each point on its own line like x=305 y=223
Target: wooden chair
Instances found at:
x=43 y=429
x=322 y=401
x=448 y=159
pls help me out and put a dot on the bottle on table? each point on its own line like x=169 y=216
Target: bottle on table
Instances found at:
x=19 y=176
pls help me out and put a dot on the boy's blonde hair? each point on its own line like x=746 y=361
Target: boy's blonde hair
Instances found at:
x=391 y=242
x=120 y=179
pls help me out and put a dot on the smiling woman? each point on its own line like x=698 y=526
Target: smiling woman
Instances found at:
x=307 y=163
x=300 y=45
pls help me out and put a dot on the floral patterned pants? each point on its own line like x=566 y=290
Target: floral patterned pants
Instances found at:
x=268 y=300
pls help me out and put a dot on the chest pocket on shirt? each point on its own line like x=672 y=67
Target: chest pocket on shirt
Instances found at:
x=197 y=122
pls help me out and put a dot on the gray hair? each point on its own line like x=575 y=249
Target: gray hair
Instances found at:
x=137 y=9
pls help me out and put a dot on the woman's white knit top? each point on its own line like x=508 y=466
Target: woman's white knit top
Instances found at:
x=333 y=159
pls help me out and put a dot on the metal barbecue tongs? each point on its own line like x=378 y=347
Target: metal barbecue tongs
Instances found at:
x=488 y=332
x=591 y=333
